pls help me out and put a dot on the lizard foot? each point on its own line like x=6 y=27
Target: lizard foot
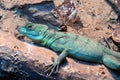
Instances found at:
x=52 y=68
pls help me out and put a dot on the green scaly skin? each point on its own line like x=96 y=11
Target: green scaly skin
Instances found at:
x=73 y=45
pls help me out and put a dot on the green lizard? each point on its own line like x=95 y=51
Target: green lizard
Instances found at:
x=73 y=45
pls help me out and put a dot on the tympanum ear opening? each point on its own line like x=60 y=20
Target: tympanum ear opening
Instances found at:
x=29 y=27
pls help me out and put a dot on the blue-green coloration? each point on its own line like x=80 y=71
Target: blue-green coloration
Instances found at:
x=73 y=45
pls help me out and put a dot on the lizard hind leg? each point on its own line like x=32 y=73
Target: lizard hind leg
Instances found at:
x=111 y=62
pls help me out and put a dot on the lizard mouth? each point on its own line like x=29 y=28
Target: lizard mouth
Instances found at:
x=21 y=30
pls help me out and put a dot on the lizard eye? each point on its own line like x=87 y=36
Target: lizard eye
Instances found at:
x=29 y=27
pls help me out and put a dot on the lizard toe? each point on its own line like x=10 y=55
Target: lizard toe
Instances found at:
x=54 y=68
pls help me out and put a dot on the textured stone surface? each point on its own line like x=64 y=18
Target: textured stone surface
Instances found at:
x=10 y=3
x=72 y=68
x=95 y=27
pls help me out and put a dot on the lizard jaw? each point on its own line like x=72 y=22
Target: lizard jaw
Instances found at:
x=29 y=34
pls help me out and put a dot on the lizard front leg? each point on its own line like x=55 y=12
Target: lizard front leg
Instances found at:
x=56 y=63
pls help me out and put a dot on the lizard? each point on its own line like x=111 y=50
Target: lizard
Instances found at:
x=72 y=45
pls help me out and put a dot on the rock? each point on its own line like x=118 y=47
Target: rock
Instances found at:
x=117 y=2
x=116 y=34
x=57 y=2
x=8 y=4
x=67 y=13
x=74 y=69
x=92 y=14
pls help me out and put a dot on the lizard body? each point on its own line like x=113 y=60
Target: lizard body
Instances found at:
x=69 y=44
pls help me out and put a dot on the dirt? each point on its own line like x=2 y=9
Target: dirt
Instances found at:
x=95 y=16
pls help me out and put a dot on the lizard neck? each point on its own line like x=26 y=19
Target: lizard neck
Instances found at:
x=40 y=39
x=48 y=38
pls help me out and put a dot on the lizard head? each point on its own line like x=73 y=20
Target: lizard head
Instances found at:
x=33 y=31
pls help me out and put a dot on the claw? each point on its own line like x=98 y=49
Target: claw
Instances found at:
x=49 y=68
x=52 y=68
x=57 y=69
x=51 y=71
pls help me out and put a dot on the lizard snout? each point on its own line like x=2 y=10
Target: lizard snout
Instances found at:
x=17 y=27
